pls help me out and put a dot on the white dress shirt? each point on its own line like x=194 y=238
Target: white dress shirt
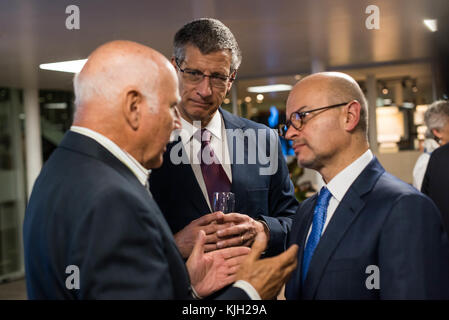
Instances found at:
x=191 y=141
x=128 y=160
x=340 y=184
x=219 y=143
x=421 y=164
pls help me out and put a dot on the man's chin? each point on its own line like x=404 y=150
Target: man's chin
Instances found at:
x=198 y=113
x=154 y=163
x=305 y=163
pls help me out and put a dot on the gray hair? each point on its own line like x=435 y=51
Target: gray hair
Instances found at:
x=208 y=35
x=437 y=115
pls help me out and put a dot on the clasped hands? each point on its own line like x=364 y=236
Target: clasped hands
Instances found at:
x=217 y=247
x=222 y=231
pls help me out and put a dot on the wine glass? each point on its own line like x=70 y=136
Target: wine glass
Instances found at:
x=224 y=202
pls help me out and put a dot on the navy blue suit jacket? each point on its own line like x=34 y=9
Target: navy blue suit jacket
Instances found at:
x=383 y=222
x=89 y=210
x=266 y=197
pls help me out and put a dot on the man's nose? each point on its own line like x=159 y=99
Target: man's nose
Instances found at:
x=291 y=133
x=204 y=88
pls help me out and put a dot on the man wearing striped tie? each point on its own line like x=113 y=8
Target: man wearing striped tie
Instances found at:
x=366 y=234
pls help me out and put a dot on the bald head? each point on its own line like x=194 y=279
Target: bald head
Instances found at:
x=128 y=93
x=338 y=88
x=114 y=67
x=328 y=122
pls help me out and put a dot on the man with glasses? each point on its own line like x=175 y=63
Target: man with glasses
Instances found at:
x=366 y=234
x=207 y=56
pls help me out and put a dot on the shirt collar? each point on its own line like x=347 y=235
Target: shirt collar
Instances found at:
x=128 y=160
x=188 y=129
x=340 y=184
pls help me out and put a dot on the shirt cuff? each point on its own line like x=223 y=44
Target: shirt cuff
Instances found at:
x=266 y=228
x=248 y=288
x=195 y=295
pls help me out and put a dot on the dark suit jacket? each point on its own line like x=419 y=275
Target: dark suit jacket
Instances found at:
x=267 y=197
x=89 y=210
x=436 y=181
x=381 y=221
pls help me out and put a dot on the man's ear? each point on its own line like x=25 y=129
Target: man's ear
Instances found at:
x=173 y=62
x=437 y=133
x=132 y=108
x=352 y=114
x=230 y=82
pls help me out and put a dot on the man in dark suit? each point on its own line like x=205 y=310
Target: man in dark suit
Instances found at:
x=247 y=156
x=367 y=234
x=436 y=180
x=92 y=229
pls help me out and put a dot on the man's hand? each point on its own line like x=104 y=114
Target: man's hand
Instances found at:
x=268 y=275
x=209 y=223
x=214 y=270
x=242 y=230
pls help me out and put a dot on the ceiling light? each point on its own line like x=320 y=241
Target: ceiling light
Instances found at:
x=56 y=106
x=384 y=87
x=270 y=88
x=260 y=96
x=431 y=24
x=248 y=99
x=73 y=66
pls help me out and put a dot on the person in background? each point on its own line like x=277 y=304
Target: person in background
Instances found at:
x=92 y=229
x=436 y=119
x=436 y=178
x=420 y=167
x=366 y=234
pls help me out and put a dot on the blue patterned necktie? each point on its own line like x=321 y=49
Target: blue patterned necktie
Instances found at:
x=319 y=218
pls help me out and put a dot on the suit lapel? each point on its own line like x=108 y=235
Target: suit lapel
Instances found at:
x=183 y=172
x=80 y=143
x=345 y=214
x=298 y=236
x=238 y=169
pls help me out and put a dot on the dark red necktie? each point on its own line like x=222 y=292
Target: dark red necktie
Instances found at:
x=214 y=175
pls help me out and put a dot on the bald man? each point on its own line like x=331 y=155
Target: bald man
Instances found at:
x=92 y=229
x=366 y=234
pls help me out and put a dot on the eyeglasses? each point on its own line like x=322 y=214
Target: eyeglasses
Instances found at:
x=217 y=80
x=297 y=118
